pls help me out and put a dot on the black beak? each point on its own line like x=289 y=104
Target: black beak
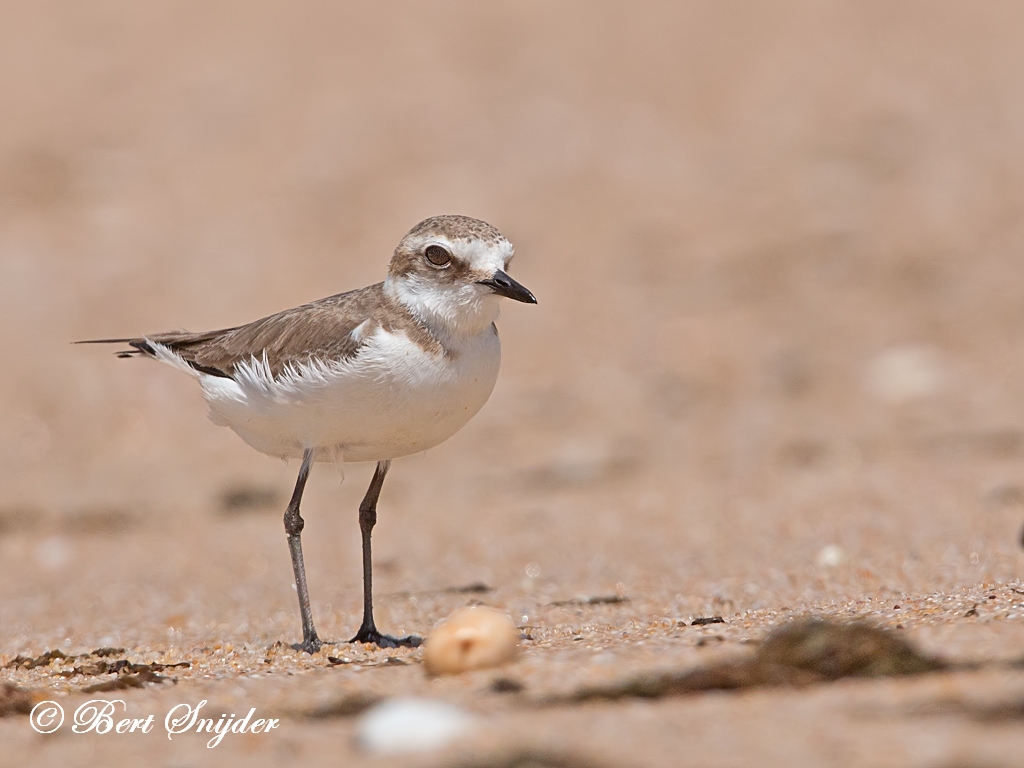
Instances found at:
x=503 y=285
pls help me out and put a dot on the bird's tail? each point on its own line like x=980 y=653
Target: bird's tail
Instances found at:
x=141 y=347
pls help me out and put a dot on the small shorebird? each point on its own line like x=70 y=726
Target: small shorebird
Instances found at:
x=369 y=375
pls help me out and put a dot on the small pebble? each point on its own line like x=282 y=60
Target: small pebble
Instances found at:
x=830 y=556
x=471 y=638
x=906 y=373
x=407 y=725
x=52 y=553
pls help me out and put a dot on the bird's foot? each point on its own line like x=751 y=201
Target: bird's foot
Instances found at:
x=311 y=644
x=372 y=636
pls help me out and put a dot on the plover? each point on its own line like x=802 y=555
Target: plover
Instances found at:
x=370 y=375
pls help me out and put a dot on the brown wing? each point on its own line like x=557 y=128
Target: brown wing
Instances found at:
x=321 y=329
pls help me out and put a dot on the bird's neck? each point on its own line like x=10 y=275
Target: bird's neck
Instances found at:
x=452 y=312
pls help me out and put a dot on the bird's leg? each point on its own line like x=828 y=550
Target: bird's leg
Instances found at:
x=293 y=525
x=367 y=519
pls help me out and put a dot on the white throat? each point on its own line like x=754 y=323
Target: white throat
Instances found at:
x=457 y=312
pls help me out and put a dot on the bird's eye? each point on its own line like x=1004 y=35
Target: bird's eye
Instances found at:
x=438 y=256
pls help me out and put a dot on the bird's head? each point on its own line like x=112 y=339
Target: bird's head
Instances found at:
x=451 y=272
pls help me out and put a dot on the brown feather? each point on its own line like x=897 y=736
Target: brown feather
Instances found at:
x=319 y=330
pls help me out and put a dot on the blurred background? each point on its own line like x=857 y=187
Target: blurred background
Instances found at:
x=776 y=360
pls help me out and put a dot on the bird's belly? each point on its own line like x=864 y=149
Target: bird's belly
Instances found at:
x=390 y=400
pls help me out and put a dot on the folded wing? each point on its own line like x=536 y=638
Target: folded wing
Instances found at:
x=329 y=329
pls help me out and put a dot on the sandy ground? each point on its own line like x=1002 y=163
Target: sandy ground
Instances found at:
x=775 y=370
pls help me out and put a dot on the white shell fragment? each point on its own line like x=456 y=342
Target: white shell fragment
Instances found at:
x=407 y=725
x=471 y=638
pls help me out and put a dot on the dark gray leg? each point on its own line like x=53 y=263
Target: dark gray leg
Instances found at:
x=293 y=525
x=367 y=519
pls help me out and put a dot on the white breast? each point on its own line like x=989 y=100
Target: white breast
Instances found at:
x=391 y=399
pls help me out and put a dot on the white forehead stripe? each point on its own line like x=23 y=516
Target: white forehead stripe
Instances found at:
x=479 y=255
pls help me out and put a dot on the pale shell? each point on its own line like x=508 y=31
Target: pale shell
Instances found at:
x=471 y=638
